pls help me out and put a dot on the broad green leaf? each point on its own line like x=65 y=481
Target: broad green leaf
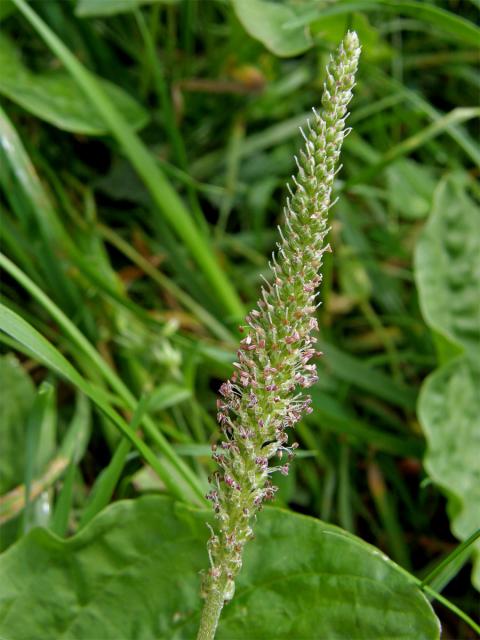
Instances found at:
x=452 y=25
x=410 y=188
x=447 y=265
x=354 y=280
x=332 y=28
x=134 y=573
x=17 y=393
x=447 y=271
x=265 y=21
x=56 y=98
x=449 y=411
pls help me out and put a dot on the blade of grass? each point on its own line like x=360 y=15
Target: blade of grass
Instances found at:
x=164 y=196
x=42 y=205
x=56 y=235
x=231 y=178
x=162 y=398
x=456 y=132
x=17 y=328
x=456 y=116
x=451 y=557
x=345 y=511
x=74 y=444
x=391 y=351
x=107 y=373
x=17 y=247
x=279 y=132
x=206 y=318
x=40 y=415
x=455 y=26
x=352 y=370
x=51 y=231
x=355 y=430
x=387 y=512
x=106 y=482
x=168 y=114
x=449 y=605
x=59 y=522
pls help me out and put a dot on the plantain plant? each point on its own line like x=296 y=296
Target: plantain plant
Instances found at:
x=122 y=288
x=260 y=402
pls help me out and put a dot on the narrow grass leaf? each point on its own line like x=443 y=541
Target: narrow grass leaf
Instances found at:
x=106 y=482
x=455 y=26
x=17 y=394
x=95 y=8
x=164 y=196
x=449 y=412
x=16 y=327
x=59 y=521
x=39 y=445
x=352 y=370
x=447 y=265
x=105 y=371
x=407 y=146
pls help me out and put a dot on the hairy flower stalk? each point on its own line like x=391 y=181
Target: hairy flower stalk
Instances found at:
x=264 y=398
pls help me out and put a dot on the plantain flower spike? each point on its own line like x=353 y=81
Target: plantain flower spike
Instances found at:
x=264 y=397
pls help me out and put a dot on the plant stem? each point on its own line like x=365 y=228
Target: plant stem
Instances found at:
x=449 y=605
x=212 y=609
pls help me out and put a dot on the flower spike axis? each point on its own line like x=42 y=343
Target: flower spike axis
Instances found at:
x=264 y=396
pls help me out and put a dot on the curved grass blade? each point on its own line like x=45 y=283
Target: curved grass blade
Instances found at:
x=104 y=486
x=39 y=214
x=164 y=196
x=455 y=26
x=16 y=327
x=440 y=126
x=105 y=371
x=455 y=131
x=39 y=444
x=206 y=318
